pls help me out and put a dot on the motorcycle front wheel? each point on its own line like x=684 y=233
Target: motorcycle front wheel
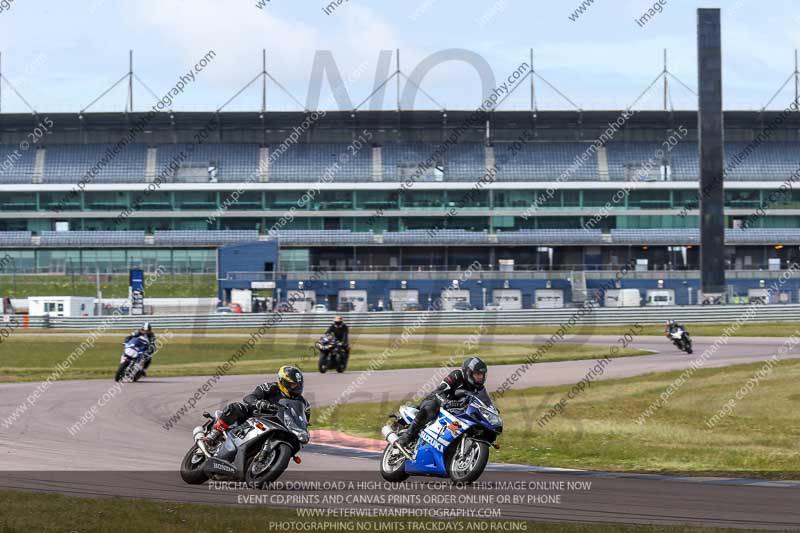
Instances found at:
x=393 y=465
x=260 y=473
x=192 y=467
x=121 y=371
x=323 y=367
x=467 y=466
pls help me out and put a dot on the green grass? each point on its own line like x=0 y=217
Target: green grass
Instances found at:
x=24 y=512
x=116 y=286
x=29 y=357
x=599 y=430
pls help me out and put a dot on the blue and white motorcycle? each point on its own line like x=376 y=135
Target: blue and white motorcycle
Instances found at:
x=455 y=445
x=132 y=364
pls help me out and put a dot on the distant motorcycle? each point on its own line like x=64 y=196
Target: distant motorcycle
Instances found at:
x=332 y=354
x=455 y=445
x=680 y=338
x=256 y=451
x=132 y=364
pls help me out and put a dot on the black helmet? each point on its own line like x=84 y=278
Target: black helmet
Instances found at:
x=338 y=320
x=290 y=381
x=147 y=327
x=474 y=370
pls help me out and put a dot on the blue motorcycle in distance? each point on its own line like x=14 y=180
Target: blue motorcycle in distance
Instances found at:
x=132 y=364
x=455 y=445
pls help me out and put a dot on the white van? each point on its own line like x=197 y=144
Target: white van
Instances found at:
x=660 y=297
x=622 y=298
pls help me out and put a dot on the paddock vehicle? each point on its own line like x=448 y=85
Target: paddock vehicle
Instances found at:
x=455 y=445
x=132 y=364
x=256 y=451
x=680 y=338
x=332 y=354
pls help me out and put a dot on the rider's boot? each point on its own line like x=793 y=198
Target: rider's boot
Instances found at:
x=410 y=436
x=216 y=432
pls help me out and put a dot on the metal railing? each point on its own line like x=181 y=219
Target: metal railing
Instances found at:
x=399 y=320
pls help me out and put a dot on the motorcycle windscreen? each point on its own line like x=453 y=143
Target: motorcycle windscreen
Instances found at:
x=294 y=413
x=484 y=397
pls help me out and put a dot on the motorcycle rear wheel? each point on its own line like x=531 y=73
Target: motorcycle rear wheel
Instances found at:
x=192 y=472
x=278 y=461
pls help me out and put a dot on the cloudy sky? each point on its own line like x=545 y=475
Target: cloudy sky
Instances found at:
x=60 y=55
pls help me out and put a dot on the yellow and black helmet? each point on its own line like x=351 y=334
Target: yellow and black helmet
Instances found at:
x=290 y=381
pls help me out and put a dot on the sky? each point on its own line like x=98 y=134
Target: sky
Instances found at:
x=61 y=55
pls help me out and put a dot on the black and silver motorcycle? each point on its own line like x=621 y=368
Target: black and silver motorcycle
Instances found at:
x=256 y=451
x=680 y=338
x=332 y=354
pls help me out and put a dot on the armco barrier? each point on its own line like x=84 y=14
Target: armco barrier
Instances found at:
x=314 y=322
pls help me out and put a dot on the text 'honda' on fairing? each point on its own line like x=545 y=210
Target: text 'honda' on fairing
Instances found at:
x=252 y=440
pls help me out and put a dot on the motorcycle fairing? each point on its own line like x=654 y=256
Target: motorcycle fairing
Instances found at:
x=408 y=413
x=434 y=439
x=236 y=447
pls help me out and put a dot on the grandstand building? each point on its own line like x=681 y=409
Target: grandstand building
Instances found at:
x=554 y=191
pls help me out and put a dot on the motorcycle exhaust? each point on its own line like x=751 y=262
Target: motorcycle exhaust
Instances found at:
x=202 y=447
x=391 y=438
x=389 y=435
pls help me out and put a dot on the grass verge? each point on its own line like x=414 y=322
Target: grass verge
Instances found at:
x=600 y=429
x=28 y=358
x=24 y=512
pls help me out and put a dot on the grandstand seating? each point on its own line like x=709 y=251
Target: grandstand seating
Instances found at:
x=769 y=161
x=534 y=161
x=203 y=238
x=759 y=236
x=315 y=162
x=92 y=238
x=550 y=236
x=15 y=238
x=233 y=162
x=324 y=237
x=544 y=161
x=67 y=163
x=532 y=237
x=438 y=236
x=16 y=166
x=655 y=236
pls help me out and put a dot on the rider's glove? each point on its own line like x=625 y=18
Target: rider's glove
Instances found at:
x=263 y=405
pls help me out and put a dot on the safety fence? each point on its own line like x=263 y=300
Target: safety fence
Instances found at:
x=399 y=320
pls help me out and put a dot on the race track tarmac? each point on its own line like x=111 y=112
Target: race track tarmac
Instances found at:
x=128 y=451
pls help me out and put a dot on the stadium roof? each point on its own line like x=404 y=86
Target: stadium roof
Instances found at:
x=401 y=126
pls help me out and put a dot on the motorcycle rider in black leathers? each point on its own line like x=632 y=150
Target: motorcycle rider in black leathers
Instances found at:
x=672 y=326
x=146 y=332
x=341 y=332
x=289 y=385
x=470 y=377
